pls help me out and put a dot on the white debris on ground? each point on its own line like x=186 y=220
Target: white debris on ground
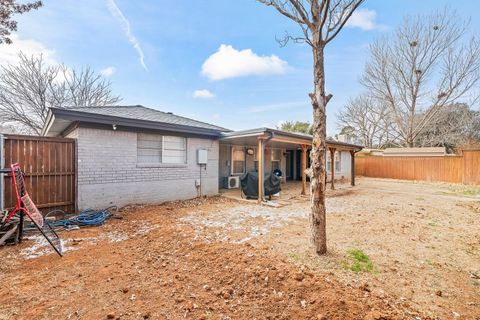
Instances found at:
x=239 y=222
x=114 y=236
x=41 y=247
x=250 y=220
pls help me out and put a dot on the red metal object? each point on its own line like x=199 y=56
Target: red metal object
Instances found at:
x=20 y=195
x=25 y=205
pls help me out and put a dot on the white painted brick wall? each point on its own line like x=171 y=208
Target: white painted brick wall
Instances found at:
x=108 y=172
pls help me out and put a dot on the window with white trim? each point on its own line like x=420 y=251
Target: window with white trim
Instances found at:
x=338 y=162
x=238 y=160
x=157 y=149
x=276 y=156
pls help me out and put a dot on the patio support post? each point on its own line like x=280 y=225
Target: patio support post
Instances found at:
x=303 y=168
x=352 y=164
x=332 y=158
x=260 y=169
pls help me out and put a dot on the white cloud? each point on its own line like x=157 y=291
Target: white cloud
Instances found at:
x=363 y=19
x=108 y=71
x=9 y=52
x=216 y=116
x=204 y=93
x=117 y=13
x=228 y=62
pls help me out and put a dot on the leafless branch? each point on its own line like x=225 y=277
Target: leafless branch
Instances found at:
x=424 y=66
x=29 y=88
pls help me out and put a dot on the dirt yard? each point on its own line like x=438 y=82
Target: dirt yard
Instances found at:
x=398 y=250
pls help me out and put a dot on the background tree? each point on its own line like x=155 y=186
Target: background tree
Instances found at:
x=7 y=9
x=320 y=22
x=369 y=118
x=454 y=126
x=30 y=88
x=296 y=126
x=425 y=65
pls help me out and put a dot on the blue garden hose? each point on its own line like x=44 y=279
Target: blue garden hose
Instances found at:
x=86 y=218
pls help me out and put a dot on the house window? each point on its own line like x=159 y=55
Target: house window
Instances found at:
x=276 y=154
x=275 y=157
x=155 y=149
x=338 y=162
x=238 y=160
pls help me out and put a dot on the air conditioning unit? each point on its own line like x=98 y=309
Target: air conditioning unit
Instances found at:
x=233 y=182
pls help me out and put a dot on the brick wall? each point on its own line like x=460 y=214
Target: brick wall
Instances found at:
x=108 y=172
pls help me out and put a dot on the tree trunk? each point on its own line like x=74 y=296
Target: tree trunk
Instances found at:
x=317 y=155
x=410 y=143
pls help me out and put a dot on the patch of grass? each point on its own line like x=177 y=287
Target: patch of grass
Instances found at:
x=465 y=191
x=295 y=256
x=419 y=198
x=433 y=224
x=471 y=191
x=357 y=261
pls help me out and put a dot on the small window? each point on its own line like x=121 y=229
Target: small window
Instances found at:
x=275 y=157
x=338 y=161
x=276 y=154
x=156 y=149
x=238 y=160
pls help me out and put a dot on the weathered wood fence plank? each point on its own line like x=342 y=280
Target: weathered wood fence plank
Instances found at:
x=463 y=168
x=50 y=168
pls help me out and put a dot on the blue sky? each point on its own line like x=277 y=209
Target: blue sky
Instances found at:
x=213 y=60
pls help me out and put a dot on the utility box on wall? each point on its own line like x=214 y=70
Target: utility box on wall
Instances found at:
x=202 y=156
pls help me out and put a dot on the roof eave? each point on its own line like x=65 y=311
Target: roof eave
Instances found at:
x=127 y=122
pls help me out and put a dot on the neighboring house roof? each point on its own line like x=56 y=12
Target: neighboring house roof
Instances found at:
x=295 y=137
x=137 y=116
x=410 y=152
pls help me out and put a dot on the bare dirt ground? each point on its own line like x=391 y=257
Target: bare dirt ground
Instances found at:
x=225 y=259
x=423 y=239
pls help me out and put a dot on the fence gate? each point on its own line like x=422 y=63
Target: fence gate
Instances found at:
x=50 y=167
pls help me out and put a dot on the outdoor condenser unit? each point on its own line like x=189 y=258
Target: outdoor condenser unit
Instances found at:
x=233 y=182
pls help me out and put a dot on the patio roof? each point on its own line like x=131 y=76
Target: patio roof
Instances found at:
x=278 y=138
x=261 y=137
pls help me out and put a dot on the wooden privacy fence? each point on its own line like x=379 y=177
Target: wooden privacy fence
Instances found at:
x=463 y=168
x=49 y=165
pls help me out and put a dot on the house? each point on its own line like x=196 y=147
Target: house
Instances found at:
x=134 y=154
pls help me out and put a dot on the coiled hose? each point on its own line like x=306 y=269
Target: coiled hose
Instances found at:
x=86 y=218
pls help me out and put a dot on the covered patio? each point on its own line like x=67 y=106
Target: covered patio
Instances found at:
x=264 y=150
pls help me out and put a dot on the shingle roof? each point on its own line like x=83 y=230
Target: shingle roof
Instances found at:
x=139 y=112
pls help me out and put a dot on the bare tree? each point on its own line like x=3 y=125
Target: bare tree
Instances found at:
x=320 y=22
x=425 y=65
x=9 y=8
x=454 y=126
x=370 y=120
x=30 y=88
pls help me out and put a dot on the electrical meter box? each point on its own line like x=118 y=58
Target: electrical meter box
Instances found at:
x=202 y=156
